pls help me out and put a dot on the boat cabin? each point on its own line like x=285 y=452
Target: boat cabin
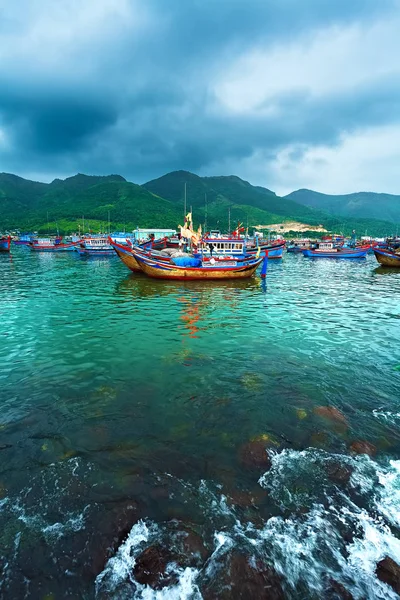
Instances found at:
x=96 y=242
x=223 y=247
x=325 y=247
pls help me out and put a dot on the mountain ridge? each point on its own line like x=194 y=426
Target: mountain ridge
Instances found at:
x=217 y=201
x=375 y=205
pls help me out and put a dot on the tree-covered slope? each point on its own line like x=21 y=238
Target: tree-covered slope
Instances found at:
x=253 y=204
x=368 y=204
x=65 y=202
x=29 y=205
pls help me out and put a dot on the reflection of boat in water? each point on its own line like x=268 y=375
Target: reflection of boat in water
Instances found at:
x=331 y=250
x=143 y=287
x=5 y=243
x=387 y=258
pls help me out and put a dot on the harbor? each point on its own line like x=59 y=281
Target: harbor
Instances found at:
x=122 y=397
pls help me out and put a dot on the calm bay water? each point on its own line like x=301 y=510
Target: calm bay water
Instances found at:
x=131 y=410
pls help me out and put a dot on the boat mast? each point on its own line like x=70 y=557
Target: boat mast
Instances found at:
x=205 y=213
x=184 y=206
x=229 y=220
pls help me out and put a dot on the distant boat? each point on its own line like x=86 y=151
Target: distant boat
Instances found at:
x=297 y=246
x=387 y=258
x=5 y=243
x=51 y=245
x=95 y=246
x=330 y=250
x=23 y=240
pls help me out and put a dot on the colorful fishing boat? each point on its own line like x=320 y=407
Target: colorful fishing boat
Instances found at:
x=274 y=249
x=5 y=243
x=387 y=258
x=23 y=240
x=297 y=246
x=124 y=252
x=216 y=256
x=331 y=250
x=187 y=268
x=51 y=245
x=95 y=246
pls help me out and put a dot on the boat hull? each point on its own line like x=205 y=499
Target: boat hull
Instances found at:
x=387 y=258
x=5 y=244
x=125 y=254
x=340 y=254
x=161 y=270
x=273 y=251
x=55 y=248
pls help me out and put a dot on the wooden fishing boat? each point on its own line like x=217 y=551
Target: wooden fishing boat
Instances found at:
x=5 y=243
x=224 y=253
x=125 y=253
x=191 y=268
x=51 y=245
x=331 y=250
x=274 y=249
x=387 y=258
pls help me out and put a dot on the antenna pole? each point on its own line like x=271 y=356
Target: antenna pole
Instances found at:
x=205 y=213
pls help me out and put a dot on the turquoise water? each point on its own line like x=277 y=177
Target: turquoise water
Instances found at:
x=128 y=408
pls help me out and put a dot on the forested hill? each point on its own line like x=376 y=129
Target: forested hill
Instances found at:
x=369 y=204
x=28 y=205
x=257 y=204
x=64 y=204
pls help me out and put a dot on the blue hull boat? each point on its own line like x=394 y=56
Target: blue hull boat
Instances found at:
x=335 y=253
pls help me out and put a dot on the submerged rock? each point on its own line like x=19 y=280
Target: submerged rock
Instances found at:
x=337 y=591
x=252 y=382
x=388 y=571
x=151 y=568
x=332 y=414
x=254 y=455
x=363 y=447
x=301 y=413
x=244 y=580
x=338 y=472
x=192 y=545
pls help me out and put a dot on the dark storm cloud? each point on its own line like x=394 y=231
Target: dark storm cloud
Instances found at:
x=141 y=102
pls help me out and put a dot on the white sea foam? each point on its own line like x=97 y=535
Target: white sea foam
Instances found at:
x=116 y=580
x=308 y=549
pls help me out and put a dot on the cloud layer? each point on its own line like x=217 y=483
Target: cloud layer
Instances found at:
x=287 y=94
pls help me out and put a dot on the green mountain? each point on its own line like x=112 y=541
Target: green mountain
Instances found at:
x=63 y=204
x=28 y=205
x=368 y=204
x=253 y=204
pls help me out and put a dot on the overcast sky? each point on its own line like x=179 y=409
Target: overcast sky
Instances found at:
x=284 y=93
